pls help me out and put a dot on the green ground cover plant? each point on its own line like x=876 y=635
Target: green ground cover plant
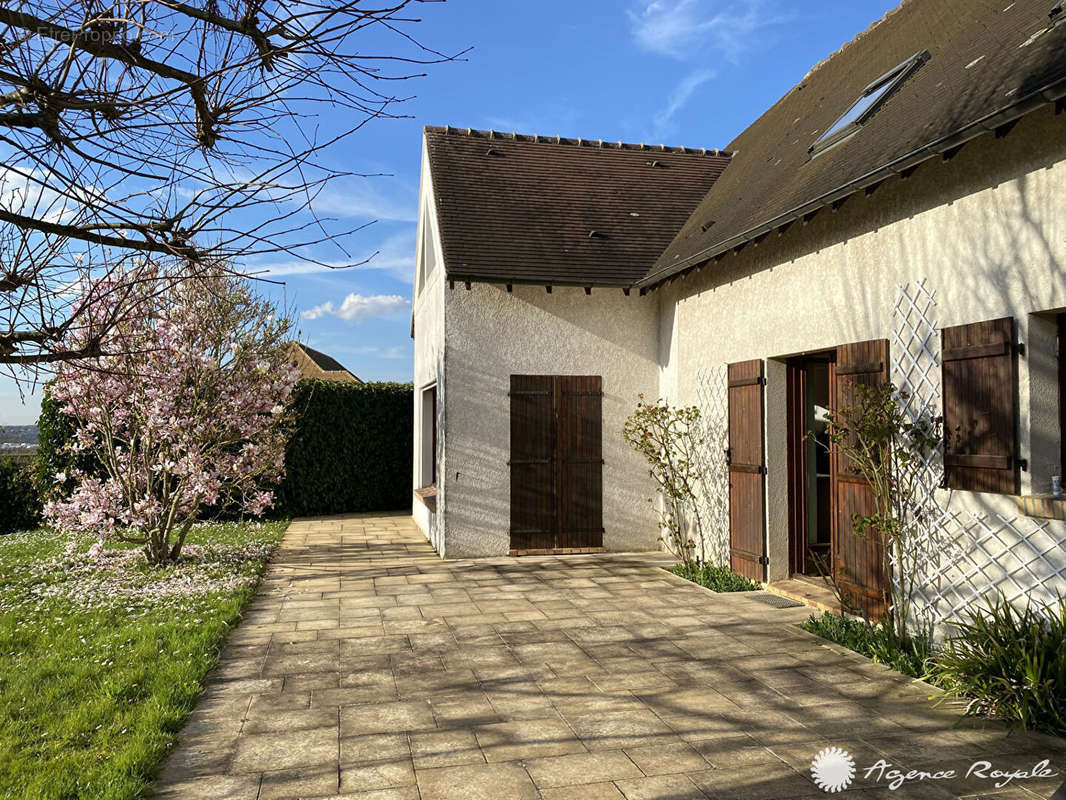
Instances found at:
x=101 y=659
x=1006 y=663
x=877 y=641
x=717 y=579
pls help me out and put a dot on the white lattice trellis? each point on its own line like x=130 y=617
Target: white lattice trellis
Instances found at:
x=713 y=403
x=965 y=556
x=1019 y=558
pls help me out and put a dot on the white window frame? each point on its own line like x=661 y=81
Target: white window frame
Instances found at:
x=429 y=444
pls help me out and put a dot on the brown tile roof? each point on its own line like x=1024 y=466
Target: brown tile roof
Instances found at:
x=989 y=57
x=314 y=364
x=534 y=209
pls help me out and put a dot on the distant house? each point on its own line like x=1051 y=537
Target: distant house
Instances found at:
x=898 y=216
x=319 y=366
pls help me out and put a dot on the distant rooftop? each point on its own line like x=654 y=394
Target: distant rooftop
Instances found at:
x=318 y=365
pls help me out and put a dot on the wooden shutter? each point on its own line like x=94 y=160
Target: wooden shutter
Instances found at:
x=747 y=471
x=532 y=465
x=858 y=560
x=433 y=407
x=980 y=387
x=796 y=461
x=580 y=461
x=1062 y=393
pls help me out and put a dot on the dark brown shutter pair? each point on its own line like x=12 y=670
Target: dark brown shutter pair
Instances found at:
x=980 y=388
x=556 y=464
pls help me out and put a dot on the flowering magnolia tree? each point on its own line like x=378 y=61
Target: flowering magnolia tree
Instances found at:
x=189 y=411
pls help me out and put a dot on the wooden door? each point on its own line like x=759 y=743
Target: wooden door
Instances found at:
x=580 y=461
x=858 y=562
x=556 y=462
x=532 y=464
x=747 y=470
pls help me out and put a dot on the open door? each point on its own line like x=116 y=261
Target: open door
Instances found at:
x=747 y=471
x=858 y=562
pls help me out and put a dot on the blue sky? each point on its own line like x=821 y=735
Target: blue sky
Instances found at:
x=679 y=72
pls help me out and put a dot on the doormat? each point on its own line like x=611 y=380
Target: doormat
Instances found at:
x=775 y=600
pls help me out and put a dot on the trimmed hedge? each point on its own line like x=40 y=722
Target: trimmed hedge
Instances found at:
x=20 y=508
x=54 y=431
x=351 y=450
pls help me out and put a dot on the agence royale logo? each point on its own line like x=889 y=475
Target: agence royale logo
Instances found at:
x=833 y=769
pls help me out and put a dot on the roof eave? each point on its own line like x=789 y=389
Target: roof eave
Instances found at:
x=1050 y=93
x=499 y=281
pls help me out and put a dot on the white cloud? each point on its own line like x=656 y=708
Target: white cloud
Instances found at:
x=27 y=191
x=663 y=125
x=395 y=255
x=382 y=198
x=318 y=311
x=356 y=307
x=684 y=29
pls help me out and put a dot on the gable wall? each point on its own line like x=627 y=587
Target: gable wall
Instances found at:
x=428 y=310
x=491 y=335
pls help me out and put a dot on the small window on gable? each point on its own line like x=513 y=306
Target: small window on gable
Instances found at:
x=428 y=261
x=429 y=252
x=873 y=96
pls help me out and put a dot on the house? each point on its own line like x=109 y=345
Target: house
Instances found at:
x=898 y=216
x=318 y=366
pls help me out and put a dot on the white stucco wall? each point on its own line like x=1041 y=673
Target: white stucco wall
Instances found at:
x=491 y=335
x=987 y=231
x=428 y=310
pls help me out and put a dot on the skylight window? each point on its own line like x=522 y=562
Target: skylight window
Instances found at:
x=871 y=99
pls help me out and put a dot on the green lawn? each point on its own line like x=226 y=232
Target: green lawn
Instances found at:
x=101 y=661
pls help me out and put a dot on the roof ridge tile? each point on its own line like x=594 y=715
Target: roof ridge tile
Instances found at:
x=536 y=138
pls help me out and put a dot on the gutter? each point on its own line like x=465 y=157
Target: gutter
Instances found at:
x=461 y=279
x=1053 y=92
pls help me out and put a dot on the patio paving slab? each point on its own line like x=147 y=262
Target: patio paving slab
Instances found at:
x=369 y=669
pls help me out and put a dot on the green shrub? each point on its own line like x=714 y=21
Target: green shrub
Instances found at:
x=351 y=450
x=879 y=642
x=54 y=431
x=1010 y=664
x=718 y=579
x=20 y=506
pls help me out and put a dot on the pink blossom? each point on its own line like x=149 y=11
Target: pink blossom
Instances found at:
x=178 y=418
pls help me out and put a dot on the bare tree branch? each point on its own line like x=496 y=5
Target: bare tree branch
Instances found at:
x=178 y=132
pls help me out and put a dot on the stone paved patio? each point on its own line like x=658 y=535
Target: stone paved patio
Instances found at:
x=369 y=669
